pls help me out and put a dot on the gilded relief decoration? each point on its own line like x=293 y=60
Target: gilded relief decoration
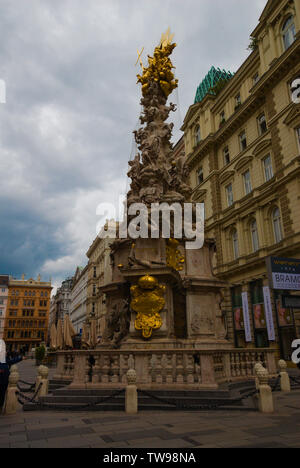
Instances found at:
x=147 y=301
x=174 y=257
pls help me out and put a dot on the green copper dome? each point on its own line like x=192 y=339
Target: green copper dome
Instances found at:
x=210 y=83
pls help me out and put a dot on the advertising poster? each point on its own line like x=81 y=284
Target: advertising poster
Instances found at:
x=246 y=317
x=285 y=316
x=268 y=313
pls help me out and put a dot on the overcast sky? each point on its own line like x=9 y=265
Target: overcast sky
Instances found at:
x=72 y=103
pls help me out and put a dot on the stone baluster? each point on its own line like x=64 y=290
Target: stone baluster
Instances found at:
x=115 y=368
x=179 y=368
x=190 y=369
x=164 y=368
x=169 y=369
x=123 y=367
x=243 y=364
x=232 y=365
x=265 y=404
x=105 y=369
x=152 y=368
x=158 y=373
x=227 y=365
x=285 y=384
x=11 y=402
x=238 y=364
x=96 y=370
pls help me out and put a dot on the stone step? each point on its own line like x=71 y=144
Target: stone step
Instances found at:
x=142 y=399
x=161 y=393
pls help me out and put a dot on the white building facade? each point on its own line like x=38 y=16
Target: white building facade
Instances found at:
x=78 y=305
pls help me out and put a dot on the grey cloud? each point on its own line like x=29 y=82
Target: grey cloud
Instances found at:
x=73 y=102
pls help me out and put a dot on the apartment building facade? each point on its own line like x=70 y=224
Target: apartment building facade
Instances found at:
x=242 y=142
x=78 y=306
x=3 y=301
x=27 y=316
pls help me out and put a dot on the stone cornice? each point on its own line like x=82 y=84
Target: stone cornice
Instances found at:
x=243 y=162
x=293 y=117
x=226 y=176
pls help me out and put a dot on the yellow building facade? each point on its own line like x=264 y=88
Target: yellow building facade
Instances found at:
x=27 y=314
x=242 y=142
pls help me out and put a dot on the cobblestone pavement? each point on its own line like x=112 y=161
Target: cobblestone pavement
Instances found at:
x=153 y=429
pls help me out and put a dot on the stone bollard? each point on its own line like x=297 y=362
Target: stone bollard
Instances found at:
x=11 y=402
x=257 y=366
x=265 y=399
x=131 y=398
x=44 y=381
x=285 y=385
x=38 y=378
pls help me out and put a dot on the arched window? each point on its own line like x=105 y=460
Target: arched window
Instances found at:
x=288 y=32
x=197 y=135
x=276 y=219
x=254 y=236
x=235 y=244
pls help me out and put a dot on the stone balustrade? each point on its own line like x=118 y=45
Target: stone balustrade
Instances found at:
x=175 y=368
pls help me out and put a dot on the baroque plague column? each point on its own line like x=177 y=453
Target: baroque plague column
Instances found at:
x=164 y=314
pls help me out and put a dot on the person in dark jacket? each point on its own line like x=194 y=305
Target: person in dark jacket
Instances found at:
x=5 y=365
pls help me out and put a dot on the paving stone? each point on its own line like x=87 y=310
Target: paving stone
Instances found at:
x=19 y=445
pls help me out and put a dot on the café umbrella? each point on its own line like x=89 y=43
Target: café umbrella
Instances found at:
x=68 y=332
x=53 y=336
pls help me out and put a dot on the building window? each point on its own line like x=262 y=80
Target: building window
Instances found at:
x=238 y=101
x=247 y=182
x=200 y=176
x=267 y=162
x=254 y=236
x=95 y=272
x=226 y=155
x=243 y=140
x=229 y=193
x=222 y=118
x=288 y=33
x=298 y=136
x=262 y=124
x=276 y=218
x=235 y=244
x=256 y=78
x=197 y=135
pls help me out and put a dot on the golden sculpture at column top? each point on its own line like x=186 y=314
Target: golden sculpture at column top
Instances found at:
x=147 y=301
x=159 y=67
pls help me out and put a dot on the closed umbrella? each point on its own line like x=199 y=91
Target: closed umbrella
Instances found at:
x=53 y=336
x=67 y=333
x=71 y=328
x=84 y=337
x=59 y=335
